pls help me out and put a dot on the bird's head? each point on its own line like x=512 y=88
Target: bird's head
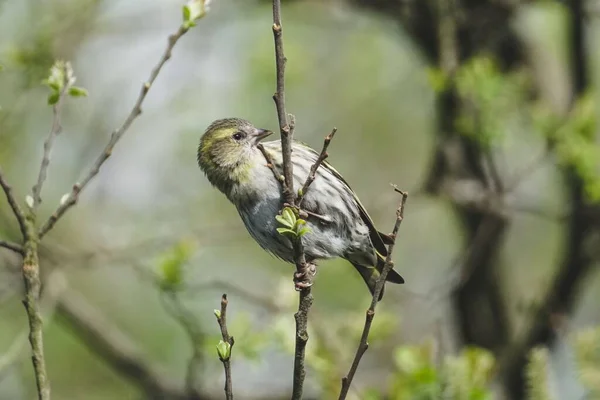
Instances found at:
x=226 y=150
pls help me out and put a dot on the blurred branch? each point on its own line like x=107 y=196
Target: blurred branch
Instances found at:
x=370 y=314
x=17 y=248
x=56 y=284
x=224 y=347
x=14 y=205
x=73 y=196
x=186 y=319
x=560 y=297
x=31 y=278
x=103 y=338
x=49 y=142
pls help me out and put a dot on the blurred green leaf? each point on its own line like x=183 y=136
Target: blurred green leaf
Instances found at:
x=53 y=98
x=537 y=375
x=193 y=11
x=76 y=91
x=171 y=266
x=587 y=356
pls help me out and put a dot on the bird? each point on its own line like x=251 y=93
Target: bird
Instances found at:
x=339 y=225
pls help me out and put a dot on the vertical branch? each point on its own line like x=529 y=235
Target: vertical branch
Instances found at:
x=286 y=129
x=227 y=344
x=31 y=278
x=370 y=314
x=302 y=272
x=54 y=132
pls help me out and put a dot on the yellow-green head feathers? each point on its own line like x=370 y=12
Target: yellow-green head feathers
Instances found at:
x=226 y=149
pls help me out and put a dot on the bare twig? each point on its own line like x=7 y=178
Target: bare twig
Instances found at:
x=72 y=198
x=49 y=142
x=17 y=248
x=226 y=358
x=313 y=170
x=14 y=205
x=286 y=128
x=280 y=178
x=364 y=345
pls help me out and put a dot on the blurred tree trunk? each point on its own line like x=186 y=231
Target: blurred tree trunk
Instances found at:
x=448 y=32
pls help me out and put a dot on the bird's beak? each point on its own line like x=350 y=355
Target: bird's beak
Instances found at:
x=260 y=134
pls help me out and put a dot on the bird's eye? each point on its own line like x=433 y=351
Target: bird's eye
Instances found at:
x=238 y=135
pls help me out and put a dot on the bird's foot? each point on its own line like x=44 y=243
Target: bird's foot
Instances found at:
x=303 y=279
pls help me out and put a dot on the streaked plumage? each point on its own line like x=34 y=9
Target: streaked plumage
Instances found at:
x=231 y=161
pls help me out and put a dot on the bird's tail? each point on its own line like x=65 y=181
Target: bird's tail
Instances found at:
x=371 y=274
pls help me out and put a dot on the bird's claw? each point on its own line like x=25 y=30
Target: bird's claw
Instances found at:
x=304 y=279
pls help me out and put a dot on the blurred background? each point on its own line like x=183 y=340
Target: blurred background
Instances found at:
x=483 y=110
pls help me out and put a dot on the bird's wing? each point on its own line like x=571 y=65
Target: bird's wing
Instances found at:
x=374 y=235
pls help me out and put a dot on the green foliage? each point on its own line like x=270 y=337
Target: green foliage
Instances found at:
x=292 y=226
x=193 y=11
x=171 y=266
x=466 y=376
x=488 y=98
x=537 y=375
x=575 y=142
x=587 y=354
x=60 y=81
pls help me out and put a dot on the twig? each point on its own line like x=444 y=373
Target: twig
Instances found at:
x=14 y=205
x=364 y=345
x=17 y=248
x=73 y=196
x=286 y=129
x=49 y=142
x=280 y=178
x=313 y=170
x=222 y=320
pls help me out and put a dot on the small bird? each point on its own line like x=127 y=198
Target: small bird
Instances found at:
x=339 y=225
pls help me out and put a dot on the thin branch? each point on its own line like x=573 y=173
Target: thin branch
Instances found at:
x=49 y=142
x=14 y=205
x=286 y=128
x=280 y=178
x=226 y=359
x=17 y=248
x=364 y=345
x=72 y=198
x=313 y=170
x=304 y=272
